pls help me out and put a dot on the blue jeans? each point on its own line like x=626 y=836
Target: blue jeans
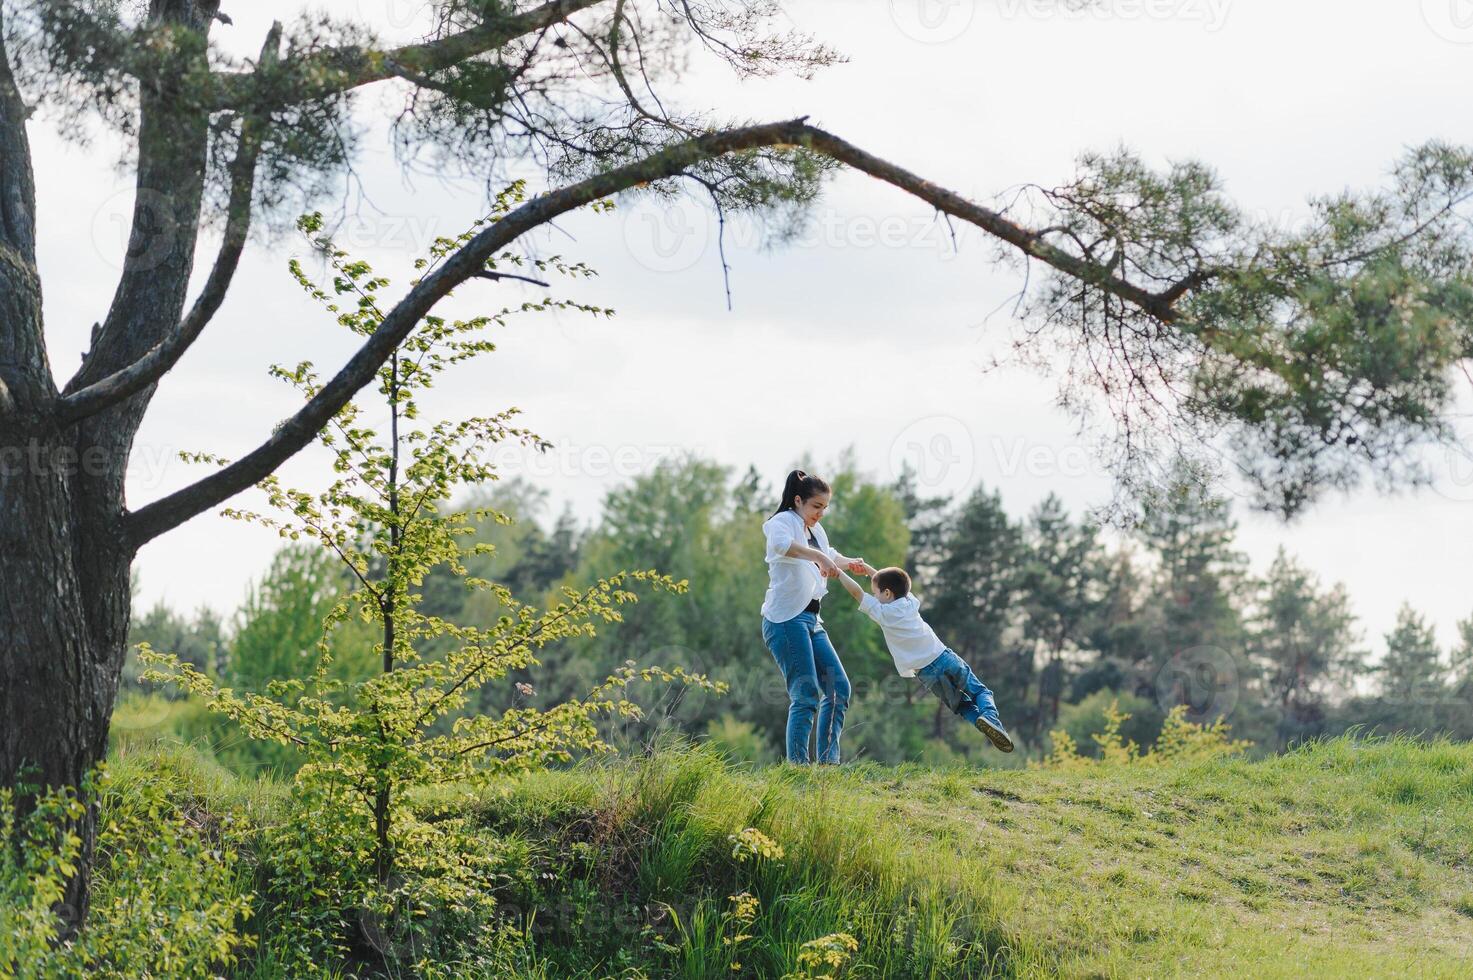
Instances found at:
x=817 y=684
x=949 y=677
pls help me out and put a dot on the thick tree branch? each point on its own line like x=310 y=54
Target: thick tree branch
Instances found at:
x=172 y=151
x=17 y=183
x=154 y=364
x=334 y=71
x=298 y=431
x=25 y=375
x=470 y=261
x=1026 y=240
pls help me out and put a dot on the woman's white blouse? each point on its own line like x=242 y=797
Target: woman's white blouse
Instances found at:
x=792 y=583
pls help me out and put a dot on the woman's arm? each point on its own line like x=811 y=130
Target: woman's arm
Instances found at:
x=825 y=564
x=856 y=565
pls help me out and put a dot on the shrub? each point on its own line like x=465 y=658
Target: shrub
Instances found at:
x=353 y=873
x=165 y=895
x=1141 y=719
x=1180 y=741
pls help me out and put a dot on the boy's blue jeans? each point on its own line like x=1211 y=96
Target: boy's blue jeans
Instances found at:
x=949 y=677
x=817 y=684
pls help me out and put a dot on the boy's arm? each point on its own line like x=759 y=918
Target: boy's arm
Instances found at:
x=851 y=586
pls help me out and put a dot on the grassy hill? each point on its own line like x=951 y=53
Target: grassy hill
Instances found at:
x=1346 y=858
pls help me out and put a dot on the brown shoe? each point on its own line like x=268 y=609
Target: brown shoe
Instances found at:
x=995 y=733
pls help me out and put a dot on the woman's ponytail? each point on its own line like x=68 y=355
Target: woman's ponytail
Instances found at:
x=801 y=485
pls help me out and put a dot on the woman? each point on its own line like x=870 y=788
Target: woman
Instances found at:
x=799 y=564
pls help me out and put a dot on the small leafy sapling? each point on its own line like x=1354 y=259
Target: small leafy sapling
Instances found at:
x=367 y=747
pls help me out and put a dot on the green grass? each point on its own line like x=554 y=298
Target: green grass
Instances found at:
x=1342 y=858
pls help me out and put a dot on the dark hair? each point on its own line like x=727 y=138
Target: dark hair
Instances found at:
x=800 y=484
x=895 y=580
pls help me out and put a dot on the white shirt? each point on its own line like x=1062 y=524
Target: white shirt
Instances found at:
x=792 y=583
x=912 y=643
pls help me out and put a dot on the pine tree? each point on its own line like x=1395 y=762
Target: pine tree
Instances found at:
x=1306 y=642
x=1062 y=589
x=1117 y=631
x=1193 y=648
x=1414 y=678
x=1462 y=656
x=972 y=603
x=926 y=517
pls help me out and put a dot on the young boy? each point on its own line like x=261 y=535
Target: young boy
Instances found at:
x=918 y=653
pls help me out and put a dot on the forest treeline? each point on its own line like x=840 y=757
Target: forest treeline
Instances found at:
x=1059 y=618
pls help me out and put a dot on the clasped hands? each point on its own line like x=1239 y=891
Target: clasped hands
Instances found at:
x=828 y=568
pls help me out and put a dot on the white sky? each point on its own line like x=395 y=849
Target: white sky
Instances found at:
x=1285 y=99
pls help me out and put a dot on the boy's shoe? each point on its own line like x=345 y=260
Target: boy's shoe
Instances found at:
x=995 y=733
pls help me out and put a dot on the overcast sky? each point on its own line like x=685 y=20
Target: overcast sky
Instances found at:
x=882 y=324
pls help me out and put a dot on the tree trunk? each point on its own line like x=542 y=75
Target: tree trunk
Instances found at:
x=60 y=645
x=64 y=595
x=64 y=555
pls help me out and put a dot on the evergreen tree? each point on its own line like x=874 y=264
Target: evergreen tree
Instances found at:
x=1462 y=656
x=1306 y=642
x=1193 y=647
x=926 y=518
x=551 y=557
x=1414 y=678
x=1055 y=622
x=1117 y=631
x=973 y=601
x=752 y=493
x=1460 y=720
x=1062 y=589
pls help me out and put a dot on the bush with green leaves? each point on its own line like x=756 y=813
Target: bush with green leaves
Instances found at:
x=167 y=901
x=1180 y=741
x=37 y=853
x=353 y=874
